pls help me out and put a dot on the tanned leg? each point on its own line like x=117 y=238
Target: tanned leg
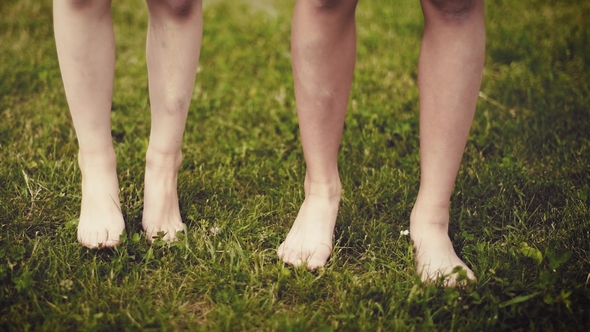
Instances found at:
x=323 y=49
x=450 y=72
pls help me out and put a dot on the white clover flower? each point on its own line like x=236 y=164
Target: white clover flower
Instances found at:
x=66 y=284
x=404 y=232
x=214 y=230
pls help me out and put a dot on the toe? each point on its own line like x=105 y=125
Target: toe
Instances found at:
x=315 y=263
x=90 y=240
x=111 y=243
x=169 y=235
x=292 y=257
x=319 y=258
x=172 y=233
x=152 y=233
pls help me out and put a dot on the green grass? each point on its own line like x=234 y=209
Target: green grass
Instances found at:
x=520 y=212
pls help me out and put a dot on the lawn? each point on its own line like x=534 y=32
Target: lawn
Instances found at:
x=520 y=211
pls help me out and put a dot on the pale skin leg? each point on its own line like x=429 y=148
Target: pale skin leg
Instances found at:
x=450 y=72
x=173 y=47
x=323 y=49
x=86 y=50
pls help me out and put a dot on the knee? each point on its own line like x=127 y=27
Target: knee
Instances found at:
x=454 y=10
x=180 y=8
x=175 y=8
x=325 y=4
x=328 y=5
x=85 y=5
x=177 y=105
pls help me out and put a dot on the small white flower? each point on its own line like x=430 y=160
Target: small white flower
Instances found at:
x=66 y=284
x=404 y=232
x=214 y=230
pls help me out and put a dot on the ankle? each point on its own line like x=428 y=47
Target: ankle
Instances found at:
x=432 y=215
x=97 y=159
x=163 y=159
x=325 y=187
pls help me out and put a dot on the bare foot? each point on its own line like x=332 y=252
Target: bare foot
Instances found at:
x=434 y=253
x=310 y=239
x=101 y=222
x=161 y=212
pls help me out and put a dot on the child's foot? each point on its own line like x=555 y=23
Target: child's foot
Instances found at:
x=101 y=222
x=434 y=253
x=310 y=239
x=161 y=212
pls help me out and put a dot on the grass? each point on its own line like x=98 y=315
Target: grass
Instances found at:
x=520 y=210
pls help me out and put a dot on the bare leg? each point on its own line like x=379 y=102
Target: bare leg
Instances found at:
x=450 y=71
x=86 y=50
x=323 y=48
x=173 y=46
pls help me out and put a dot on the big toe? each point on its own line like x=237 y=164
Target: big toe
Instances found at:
x=86 y=239
x=167 y=234
x=94 y=240
x=109 y=243
x=290 y=256
x=319 y=258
